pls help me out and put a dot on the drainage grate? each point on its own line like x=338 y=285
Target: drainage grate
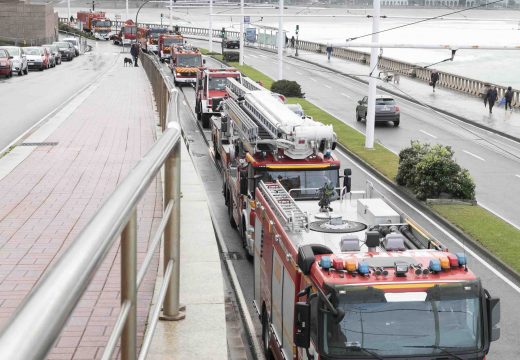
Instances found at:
x=231 y=255
x=39 y=144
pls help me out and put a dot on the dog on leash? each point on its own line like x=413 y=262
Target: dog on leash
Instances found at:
x=128 y=61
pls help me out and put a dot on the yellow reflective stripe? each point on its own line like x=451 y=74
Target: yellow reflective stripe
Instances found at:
x=404 y=286
x=299 y=166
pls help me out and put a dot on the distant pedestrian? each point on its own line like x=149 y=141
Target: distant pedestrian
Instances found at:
x=286 y=41
x=397 y=78
x=134 y=51
x=329 y=51
x=492 y=97
x=292 y=41
x=509 y=98
x=434 y=77
x=71 y=18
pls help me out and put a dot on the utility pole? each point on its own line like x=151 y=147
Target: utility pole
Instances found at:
x=296 y=45
x=68 y=9
x=241 y=41
x=161 y=18
x=171 y=18
x=127 y=15
x=372 y=80
x=210 y=47
x=281 y=42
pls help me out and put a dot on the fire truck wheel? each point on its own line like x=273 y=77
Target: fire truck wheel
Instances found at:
x=358 y=118
x=230 y=212
x=162 y=60
x=265 y=335
x=205 y=120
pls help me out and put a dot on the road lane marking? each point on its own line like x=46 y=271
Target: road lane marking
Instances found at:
x=313 y=79
x=435 y=224
x=184 y=102
x=327 y=86
x=253 y=56
x=345 y=95
x=475 y=156
x=298 y=73
x=427 y=133
x=518 y=176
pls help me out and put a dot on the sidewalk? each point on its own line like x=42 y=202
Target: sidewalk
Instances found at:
x=72 y=164
x=453 y=102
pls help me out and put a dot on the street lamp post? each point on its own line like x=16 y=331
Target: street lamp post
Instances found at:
x=241 y=40
x=372 y=80
x=281 y=42
x=296 y=45
x=210 y=47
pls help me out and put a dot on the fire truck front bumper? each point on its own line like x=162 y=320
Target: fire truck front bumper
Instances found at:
x=186 y=80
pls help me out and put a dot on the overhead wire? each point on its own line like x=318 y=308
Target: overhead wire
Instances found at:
x=422 y=20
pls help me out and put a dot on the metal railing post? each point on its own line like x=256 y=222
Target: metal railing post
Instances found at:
x=172 y=232
x=129 y=286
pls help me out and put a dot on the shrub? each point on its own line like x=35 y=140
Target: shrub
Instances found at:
x=231 y=56
x=430 y=171
x=287 y=88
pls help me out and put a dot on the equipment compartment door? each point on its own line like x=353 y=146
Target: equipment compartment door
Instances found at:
x=277 y=297
x=257 y=252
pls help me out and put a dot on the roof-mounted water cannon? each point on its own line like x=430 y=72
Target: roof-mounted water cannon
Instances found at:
x=372 y=241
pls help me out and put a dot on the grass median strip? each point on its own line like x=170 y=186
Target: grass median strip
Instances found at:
x=493 y=233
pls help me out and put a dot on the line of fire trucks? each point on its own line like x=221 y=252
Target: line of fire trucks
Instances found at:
x=338 y=273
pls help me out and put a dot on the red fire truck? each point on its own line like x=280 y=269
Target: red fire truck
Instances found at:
x=129 y=33
x=259 y=138
x=87 y=18
x=102 y=28
x=210 y=90
x=153 y=38
x=166 y=45
x=343 y=278
x=184 y=64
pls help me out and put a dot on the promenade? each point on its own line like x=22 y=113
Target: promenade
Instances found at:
x=54 y=182
x=449 y=101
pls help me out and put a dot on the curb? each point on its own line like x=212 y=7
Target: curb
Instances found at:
x=474 y=244
x=397 y=94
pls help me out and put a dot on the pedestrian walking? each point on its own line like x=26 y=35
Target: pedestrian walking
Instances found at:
x=492 y=97
x=397 y=78
x=434 y=77
x=71 y=18
x=509 y=97
x=292 y=41
x=329 y=51
x=286 y=41
x=134 y=51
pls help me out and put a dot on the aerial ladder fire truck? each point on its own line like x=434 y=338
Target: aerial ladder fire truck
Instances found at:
x=338 y=277
x=257 y=137
x=210 y=90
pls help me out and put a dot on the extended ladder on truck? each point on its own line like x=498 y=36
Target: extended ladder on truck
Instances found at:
x=284 y=205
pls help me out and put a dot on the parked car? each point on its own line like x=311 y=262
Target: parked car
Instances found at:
x=55 y=52
x=230 y=43
x=386 y=109
x=66 y=49
x=74 y=43
x=6 y=63
x=37 y=57
x=20 y=66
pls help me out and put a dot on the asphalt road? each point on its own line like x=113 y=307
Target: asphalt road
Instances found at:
x=26 y=100
x=493 y=161
x=498 y=284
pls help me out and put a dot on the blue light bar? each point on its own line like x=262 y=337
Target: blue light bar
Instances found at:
x=325 y=262
x=363 y=268
x=462 y=258
x=435 y=265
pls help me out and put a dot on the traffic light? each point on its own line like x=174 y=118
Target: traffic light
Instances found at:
x=176 y=28
x=297 y=29
x=223 y=33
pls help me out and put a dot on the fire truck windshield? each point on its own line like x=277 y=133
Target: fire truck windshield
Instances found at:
x=217 y=83
x=309 y=181
x=103 y=23
x=189 y=60
x=439 y=321
x=172 y=41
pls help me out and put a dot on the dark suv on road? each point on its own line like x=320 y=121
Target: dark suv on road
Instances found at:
x=386 y=109
x=230 y=43
x=67 y=50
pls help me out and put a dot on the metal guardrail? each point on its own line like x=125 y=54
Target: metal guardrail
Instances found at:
x=39 y=320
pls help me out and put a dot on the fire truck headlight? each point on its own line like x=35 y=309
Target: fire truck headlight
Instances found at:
x=401 y=268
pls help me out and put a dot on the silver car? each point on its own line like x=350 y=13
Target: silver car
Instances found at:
x=386 y=109
x=20 y=66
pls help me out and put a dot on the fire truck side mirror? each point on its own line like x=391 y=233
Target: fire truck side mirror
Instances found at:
x=347 y=181
x=493 y=310
x=302 y=324
x=305 y=258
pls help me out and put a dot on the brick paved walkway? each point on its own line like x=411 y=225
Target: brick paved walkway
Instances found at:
x=52 y=194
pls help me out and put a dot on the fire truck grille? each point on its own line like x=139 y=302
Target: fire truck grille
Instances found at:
x=345 y=226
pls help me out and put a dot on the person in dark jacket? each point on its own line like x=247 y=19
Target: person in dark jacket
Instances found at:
x=509 y=98
x=492 y=97
x=292 y=41
x=134 y=51
x=329 y=51
x=434 y=77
